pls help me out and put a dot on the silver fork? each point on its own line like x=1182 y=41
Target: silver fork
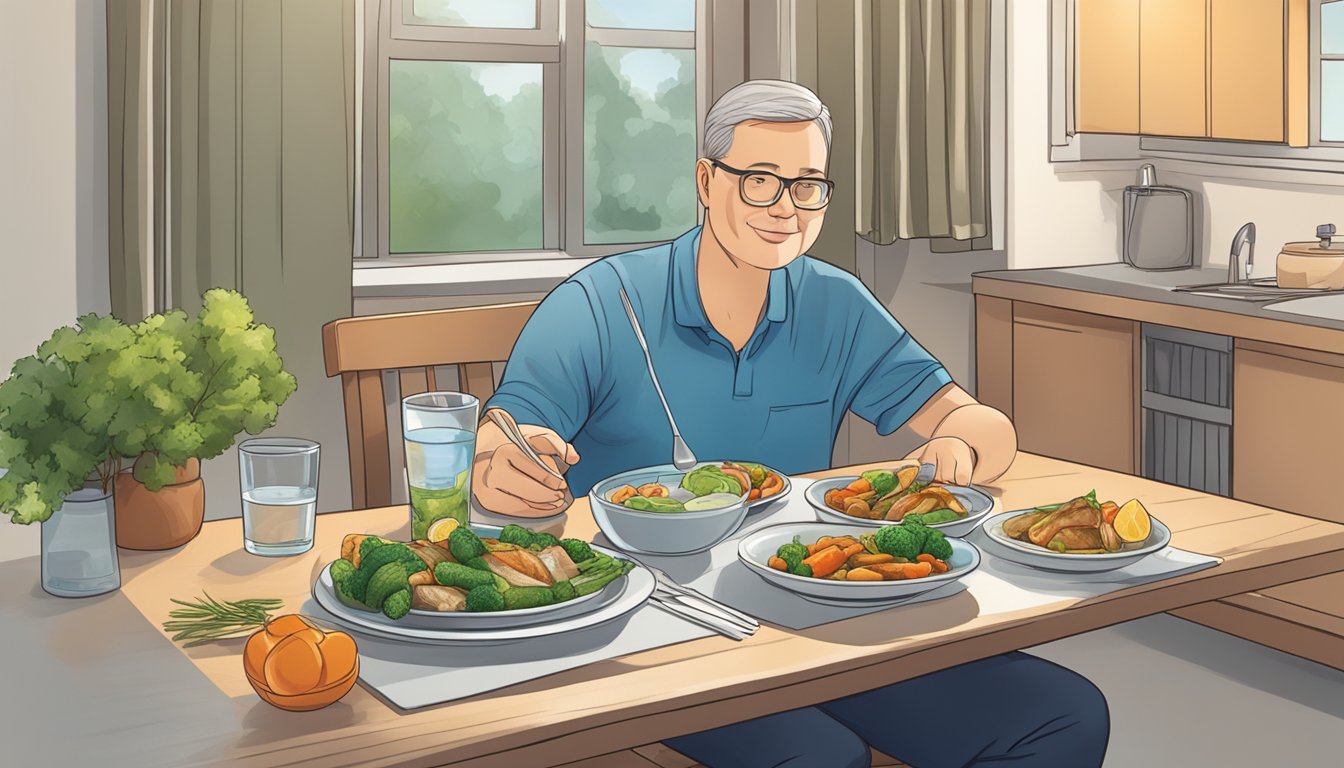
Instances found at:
x=667 y=602
x=682 y=457
x=700 y=601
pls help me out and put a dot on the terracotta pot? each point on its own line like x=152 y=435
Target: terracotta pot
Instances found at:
x=162 y=519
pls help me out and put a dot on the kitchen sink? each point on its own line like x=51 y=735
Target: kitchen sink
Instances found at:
x=1261 y=289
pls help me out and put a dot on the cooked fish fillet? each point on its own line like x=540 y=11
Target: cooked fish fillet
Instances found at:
x=1078 y=538
x=536 y=574
x=438 y=598
x=1016 y=527
x=558 y=562
x=1077 y=513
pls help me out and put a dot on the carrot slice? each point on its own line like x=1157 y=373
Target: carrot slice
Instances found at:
x=860 y=486
x=826 y=561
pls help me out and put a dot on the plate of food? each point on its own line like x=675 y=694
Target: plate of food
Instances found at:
x=1079 y=535
x=833 y=562
x=905 y=492
x=474 y=578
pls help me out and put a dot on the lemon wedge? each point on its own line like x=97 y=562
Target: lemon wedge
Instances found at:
x=1132 y=522
x=441 y=528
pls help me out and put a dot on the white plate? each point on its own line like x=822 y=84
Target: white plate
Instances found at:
x=1026 y=553
x=978 y=504
x=420 y=619
x=756 y=549
x=640 y=584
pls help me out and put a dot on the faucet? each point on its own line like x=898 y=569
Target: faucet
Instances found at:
x=1244 y=237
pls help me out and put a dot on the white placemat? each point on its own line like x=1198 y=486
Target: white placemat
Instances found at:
x=412 y=675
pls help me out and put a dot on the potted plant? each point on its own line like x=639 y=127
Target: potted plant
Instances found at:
x=209 y=380
x=60 y=412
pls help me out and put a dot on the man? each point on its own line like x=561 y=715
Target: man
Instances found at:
x=761 y=351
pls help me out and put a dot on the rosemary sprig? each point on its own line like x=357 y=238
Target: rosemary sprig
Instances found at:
x=209 y=619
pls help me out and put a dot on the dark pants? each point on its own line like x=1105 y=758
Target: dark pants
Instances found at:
x=1015 y=710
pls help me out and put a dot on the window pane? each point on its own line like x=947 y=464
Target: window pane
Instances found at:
x=642 y=14
x=495 y=14
x=638 y=144
x=1332 y=27
x=464 y=146
x=1332 y=100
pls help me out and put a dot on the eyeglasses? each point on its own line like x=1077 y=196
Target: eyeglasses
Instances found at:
x=763 y=189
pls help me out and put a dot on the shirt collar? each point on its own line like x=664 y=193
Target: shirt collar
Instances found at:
x=686 y=306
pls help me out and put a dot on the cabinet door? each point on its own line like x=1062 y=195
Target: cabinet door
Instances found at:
x=1172 y=68
x=1246 y=69
x=1287 y=419
x=1107 y=66
x=1074 y=386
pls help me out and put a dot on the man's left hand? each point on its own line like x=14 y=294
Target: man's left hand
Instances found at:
x=952 y=458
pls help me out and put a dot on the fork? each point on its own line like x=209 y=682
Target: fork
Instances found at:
x=700 y=601
x=667 y=602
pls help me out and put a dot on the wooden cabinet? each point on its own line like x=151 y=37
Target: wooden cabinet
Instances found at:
x=1173 y=67
x=1246 y=69
x=1287 y=419
x=1074 y=385
x=1107 y=66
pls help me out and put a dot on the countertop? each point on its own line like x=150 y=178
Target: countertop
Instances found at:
x=1119 y=290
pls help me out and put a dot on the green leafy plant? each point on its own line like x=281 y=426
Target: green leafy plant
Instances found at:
x=159 y=393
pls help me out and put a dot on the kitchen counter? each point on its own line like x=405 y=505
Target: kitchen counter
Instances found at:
x=1119 y=290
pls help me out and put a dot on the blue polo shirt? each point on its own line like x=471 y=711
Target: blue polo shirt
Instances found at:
x=825 y=345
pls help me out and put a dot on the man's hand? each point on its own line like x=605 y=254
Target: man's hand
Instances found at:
x=506 y=482
x=952 y=458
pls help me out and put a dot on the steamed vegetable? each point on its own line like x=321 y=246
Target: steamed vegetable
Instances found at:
x=655 y=504
x=880 y=480
x=708 y=479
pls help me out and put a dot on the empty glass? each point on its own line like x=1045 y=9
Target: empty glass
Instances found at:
x=440 y=432
x=279 y=482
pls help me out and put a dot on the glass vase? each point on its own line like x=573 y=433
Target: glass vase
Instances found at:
x=79 y=546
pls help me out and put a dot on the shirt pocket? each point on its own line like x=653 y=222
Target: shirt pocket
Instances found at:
x=802 y=421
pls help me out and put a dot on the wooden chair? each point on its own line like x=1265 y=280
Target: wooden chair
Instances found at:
x=360 y=349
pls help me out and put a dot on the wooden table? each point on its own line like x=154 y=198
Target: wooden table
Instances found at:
x=684 y=688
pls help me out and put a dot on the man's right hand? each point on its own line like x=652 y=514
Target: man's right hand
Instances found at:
x=506 y=482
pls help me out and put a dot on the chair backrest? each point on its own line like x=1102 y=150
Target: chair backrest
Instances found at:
x=360 y=349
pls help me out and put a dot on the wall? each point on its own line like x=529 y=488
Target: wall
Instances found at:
x=53 y=175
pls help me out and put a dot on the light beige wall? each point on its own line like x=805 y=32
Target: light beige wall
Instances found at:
x=53 y=176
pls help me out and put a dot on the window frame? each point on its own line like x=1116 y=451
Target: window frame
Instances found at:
x=558 y=44
x=1316 y=58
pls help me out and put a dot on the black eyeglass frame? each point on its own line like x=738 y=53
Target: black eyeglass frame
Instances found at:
x=784 y=183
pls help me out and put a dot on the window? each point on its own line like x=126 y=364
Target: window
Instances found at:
x=505 y=128
x=1328 y=63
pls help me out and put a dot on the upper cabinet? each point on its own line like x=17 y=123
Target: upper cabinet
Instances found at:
x=1173 y=56
x=1220 y=69
x=1246 y=69
x=1107 y=61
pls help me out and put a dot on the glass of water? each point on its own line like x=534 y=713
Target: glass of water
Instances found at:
x=440 y=432
x=279 y=481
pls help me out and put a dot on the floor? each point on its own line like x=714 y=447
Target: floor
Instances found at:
x=1181 y=695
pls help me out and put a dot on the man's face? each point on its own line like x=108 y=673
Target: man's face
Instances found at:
x=767 y=237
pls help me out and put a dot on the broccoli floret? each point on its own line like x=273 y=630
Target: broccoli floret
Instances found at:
x=340 y=571
x=900 y=541
x=803 y=569
x=935 y=543
x=368 y=545
x=484 y=599
x=517 y=535
x=397 y=604
x=577 y=549
x=793 y=553
x=544 y=540
x=464 y=544
x=563 y=590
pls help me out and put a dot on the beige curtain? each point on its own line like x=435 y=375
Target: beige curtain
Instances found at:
x=922 y=113
x=231 y=139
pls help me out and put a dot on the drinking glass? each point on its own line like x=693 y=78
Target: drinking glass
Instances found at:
x=279 y=481
x=440 y=433
x=79 y=546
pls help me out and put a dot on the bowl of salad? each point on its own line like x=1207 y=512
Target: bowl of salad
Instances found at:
x=664 y=511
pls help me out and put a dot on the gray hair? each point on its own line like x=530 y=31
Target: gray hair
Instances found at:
x=774 y=101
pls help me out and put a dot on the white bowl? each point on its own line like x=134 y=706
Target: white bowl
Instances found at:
x=978 y=504
x=661 y=533
x=757 y=549
x=1026 y=553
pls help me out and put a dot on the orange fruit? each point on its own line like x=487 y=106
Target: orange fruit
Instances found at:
x=284 y=626
x=294 y=665
x=258 y=646
x=338 y=657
